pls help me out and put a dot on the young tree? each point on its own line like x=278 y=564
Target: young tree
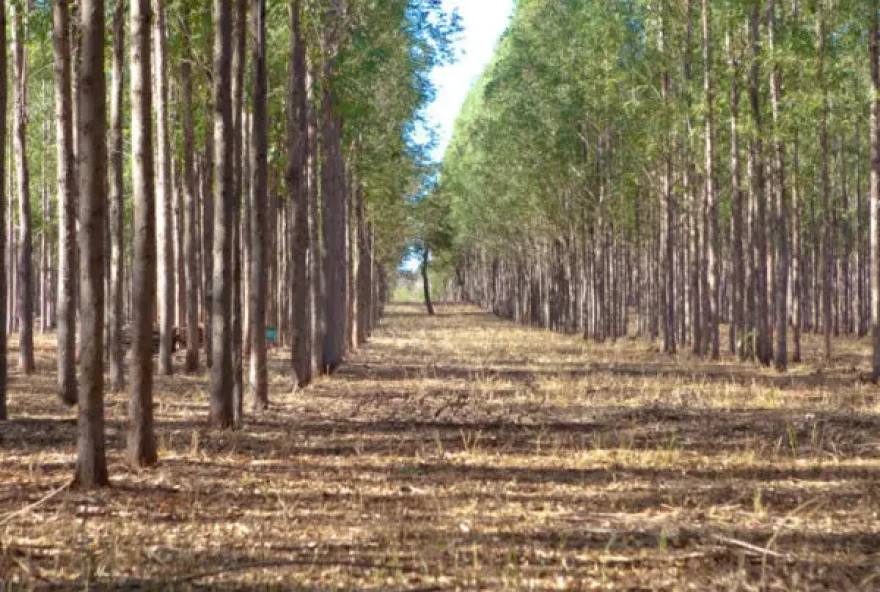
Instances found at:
x=141 y=441
x=221 y=414
x=67 y=197
x=25 y=296
x=117 y=354
x=91 y=464
x=164 y=189
x=259 y=381
x=302 y=248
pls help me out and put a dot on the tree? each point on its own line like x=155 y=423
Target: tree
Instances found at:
x=115 y=320
x=91 y=463
x=221 y=414
x=25 y=299
x=141 y=441
x=3 y=276
x=874 y=200
x=67 y=198
x=189 y=210
x=301 y=290
x=164 y=189
x=259 y=378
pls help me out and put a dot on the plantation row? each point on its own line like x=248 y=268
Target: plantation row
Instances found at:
x=241 y=178
x=688 y=162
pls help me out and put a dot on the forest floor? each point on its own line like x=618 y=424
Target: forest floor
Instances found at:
x=464 y=452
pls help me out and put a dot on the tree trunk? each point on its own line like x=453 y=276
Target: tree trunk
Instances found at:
x=874 y=141
x=333 y=219
x=238 y=67
x=91 y=463
x=25 y=290
x=302 y=250
x=3 y=275
x=67 y=190
x=189 y=215
x=164 y=231
x=117 y=354
x=426 y=285
x=221 y=414
x=714 y=239
x=141 y=442
x=827 y=254
x=259 y=384
x=781 y=203
x=739 y=274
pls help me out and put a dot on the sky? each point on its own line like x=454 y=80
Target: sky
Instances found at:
x=483 y=21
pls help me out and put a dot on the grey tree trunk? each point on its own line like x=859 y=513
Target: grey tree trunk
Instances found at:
x=259 y=378
x=316 y=254
x=25 y=291
x=827 y=253
x=782 y=239
x=164 y=230
x=739 y=273
x=426 y=283
x=141 y=442
x=3 y=277
x=302 y=249
x=333 y=219
x=874 y=199
x=189 y=217
x=238 y=62
x=91 y=463
x=714 y=239
x=67 y=190
x=114 y=320
x=221 y=413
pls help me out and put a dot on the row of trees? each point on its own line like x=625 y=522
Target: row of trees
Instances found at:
x=673 y=166
x=271 y=149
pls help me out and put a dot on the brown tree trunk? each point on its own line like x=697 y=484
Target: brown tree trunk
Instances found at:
x=25 y=296
x=141 y=441
x=302 y=249
x=426 y=284
x=827 y=254
x=189 y=216
x=782 y=249
x=114 y=320
x=316 y=255
x=259 y=382
x=164 y=230
x=874 y=199
x=67 y=190
x=91 y=463
x=238 y=66
x=3 y=276
x=221 y=414
x=739 y=273
x=714 y=239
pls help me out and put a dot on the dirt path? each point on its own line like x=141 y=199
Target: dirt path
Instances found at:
x=462 y=452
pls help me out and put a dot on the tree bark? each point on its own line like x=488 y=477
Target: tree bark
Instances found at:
x=714 y=239
x=221 y=414
x=874 y=140
x=189 y=215
x=239 y=231
x=91 y=464
x=827 y=254
x=782 y=239
x=117 y=375
x=259 y=381
x=25 y=296
x=3 y=189
x=739 y=273
x=302 y=250
x=67 y=190
x=141 y=442
x=164 y=230
x=426 y=284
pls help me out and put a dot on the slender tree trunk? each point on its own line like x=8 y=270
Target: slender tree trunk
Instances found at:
x=797 y=265
x=3 y=275
x=259 y=382
x=781 y=203
x=827 y=254
x=316 y=255
x=762 y=325
x=207 y=189
x=221 y=414
x=302 y=250
x=189 y=215
x=141 y=441
x=117 y=375
x=25 y=292
x=67 y=190
x=333 y=219
x=164 y=230
x=714 y=239
x=91 y=463
x=669 y=201
x=238 y=67
x=739 y=273
x=874 y=203
x=426 y=285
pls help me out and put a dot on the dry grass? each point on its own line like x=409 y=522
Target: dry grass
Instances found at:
x=462 y=452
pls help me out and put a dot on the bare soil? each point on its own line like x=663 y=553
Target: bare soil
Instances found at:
x=462 y=452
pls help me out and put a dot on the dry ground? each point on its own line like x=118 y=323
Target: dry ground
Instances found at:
x=462 y=452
